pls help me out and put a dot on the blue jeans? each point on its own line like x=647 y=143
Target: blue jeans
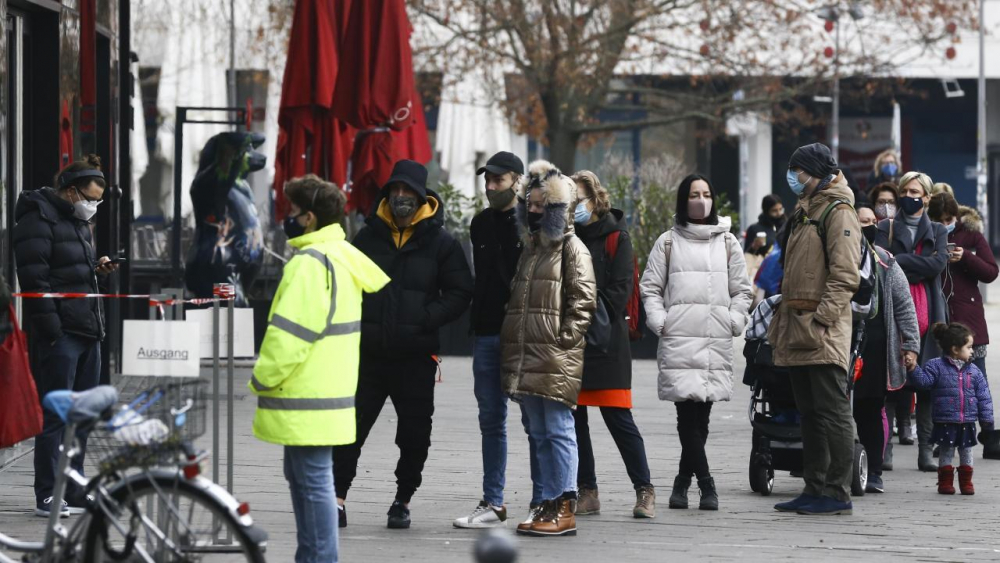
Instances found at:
x=487 y=372
x=554 y=431
x=71 y=362
x=309 y=471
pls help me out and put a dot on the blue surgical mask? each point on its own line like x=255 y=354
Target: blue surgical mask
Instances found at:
x=582 y=214
x=794 y=183
x=889 y=169
x=951 y=227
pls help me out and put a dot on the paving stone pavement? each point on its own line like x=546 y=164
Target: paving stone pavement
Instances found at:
x=910 y=521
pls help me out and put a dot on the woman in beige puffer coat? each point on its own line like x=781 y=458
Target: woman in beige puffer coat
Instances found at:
x=552 y=297
x=696 y=294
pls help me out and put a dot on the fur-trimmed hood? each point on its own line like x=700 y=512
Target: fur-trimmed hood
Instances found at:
x=560 y=197
x=970 y=218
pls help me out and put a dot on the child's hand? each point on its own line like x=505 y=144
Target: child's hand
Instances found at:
x=910 y=360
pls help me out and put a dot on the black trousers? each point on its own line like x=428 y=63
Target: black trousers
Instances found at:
x=410 y=385
x=871 y=423
x=626 y=436
x=692 y=429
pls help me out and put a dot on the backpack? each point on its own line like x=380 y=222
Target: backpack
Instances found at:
x=633 y=309
x=864 y=302
x=668 y=242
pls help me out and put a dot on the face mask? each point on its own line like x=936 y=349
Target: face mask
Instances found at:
x=889 y=170
x=885 y=210
x=582 y=214
x=292 y=227
x=534 y=221
x=870 y=232
x=84 y=210
x=912 y=205
x=951 y=227
x=699 y=209
x=402 y=206
x=794 y=183
x=777 y=222
x=500 y=199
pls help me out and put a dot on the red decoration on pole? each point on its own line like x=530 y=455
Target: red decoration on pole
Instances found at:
x=952 y=28
x=828 y=26
x=705 y=24
x=950 y=53
x=704 y=49
x=828 y=52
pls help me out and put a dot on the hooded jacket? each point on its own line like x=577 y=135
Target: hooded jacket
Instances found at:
x=696 y=308
x=960 y=280
x=813 y=324
x=924 y=268
x=611 y=369
x=553 y=296
x=960 y=395
x=431 y=282
x=54 y=253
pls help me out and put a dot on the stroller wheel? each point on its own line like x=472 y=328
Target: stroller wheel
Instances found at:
x=761 y=478
x=859 y=479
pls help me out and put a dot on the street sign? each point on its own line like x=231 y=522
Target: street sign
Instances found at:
x=160 y=348
x=242 y=333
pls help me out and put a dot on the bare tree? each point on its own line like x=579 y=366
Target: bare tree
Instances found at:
x=557 y=65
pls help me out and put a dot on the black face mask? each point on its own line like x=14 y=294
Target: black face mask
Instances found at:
x=870 y=232
x=776 y=222
x=535 y=221
x=292 y=227
x=911 y=205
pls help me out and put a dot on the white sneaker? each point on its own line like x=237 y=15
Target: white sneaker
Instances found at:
x=484 y=516
x=42 y=509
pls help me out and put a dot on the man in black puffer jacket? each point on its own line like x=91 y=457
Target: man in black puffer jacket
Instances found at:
x=54 y=253
x=431 y=286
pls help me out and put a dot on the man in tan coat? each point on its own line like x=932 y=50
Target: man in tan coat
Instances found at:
x=811 y=331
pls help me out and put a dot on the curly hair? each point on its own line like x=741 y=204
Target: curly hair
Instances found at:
x=312 y=193
x=595 y=191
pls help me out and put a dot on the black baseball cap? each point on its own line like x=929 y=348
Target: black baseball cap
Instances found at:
x=502 y=163
x=412 y=174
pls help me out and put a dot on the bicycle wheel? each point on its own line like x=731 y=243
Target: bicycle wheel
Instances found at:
x=166 y=518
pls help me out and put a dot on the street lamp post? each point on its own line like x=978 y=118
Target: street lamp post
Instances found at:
x=832 y=14
x=982 y=197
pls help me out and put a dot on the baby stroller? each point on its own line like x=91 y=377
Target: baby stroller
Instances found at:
x=777 y=434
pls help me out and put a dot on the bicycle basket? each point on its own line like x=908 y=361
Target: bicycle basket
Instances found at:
x=150 y=424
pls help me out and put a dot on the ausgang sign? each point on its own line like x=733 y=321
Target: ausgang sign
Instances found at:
x=161 y=348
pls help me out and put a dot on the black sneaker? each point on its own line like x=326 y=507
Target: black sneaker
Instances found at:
x=79 y=504
x=42 y=508
x=399 y=516
x=341 y=516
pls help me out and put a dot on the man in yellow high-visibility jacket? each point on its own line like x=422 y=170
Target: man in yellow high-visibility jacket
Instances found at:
x=307 y=374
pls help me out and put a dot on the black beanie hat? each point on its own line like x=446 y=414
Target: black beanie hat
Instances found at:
x=816 y=159
x=413 y=175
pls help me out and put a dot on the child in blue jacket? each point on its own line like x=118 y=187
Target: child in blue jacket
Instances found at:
x=961 y=396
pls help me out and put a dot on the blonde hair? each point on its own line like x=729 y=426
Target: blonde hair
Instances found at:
x=592 y=185
x=881 y=156
x=942 y=187
x=923 y=179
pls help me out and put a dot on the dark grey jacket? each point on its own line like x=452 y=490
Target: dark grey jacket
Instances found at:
x=901 y=331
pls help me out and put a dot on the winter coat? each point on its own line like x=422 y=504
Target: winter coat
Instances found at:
x=496 y=248
x=925 y=268
x=959 y=396
x=960 y=280
x=697 y=304
x=813 y=324
x=553 y=297
x=615 y=278
x=764 y=225
x=54 y=253
x=901 y=330
x=431 y=282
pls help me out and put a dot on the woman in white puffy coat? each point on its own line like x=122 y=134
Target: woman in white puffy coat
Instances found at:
x=696 y=293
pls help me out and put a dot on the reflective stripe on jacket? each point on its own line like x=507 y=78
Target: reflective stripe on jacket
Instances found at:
x=307 y=373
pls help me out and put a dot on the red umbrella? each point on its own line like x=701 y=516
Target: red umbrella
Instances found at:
x=310 y=139
x=375 y=94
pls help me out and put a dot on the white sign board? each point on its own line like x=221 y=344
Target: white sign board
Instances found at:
x=243 y=325
x=160 y=348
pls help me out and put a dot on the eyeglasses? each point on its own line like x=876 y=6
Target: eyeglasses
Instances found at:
x=86 y=197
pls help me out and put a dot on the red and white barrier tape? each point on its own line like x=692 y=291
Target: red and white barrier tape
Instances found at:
x=153 y=300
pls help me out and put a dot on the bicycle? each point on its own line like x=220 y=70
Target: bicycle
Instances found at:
x=148 y=501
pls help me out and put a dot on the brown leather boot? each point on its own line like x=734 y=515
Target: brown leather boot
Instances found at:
x=946 y=480
x=965 y=480
x=533 y=513
x=589 y=503
x=556 y=519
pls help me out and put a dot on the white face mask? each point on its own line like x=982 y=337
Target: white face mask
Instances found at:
x=85 y=210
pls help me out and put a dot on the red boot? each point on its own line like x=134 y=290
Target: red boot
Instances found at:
x=965 y=480
x=946 y=480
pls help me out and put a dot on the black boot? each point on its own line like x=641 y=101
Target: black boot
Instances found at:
x=709 y=498
x=679 y=496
